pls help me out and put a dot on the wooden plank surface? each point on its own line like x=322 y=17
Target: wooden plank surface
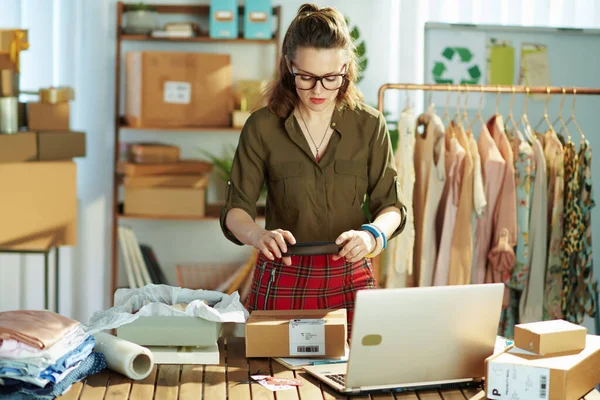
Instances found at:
x=452 y=394
x=407 y=396
x=95 y=386
x=474 y=394
x=279 y=371
x=429 y=395
x=144 y=389
x=310 y=388
x=119 y=387
x=74 y=392
x=215 y=385
x=167 y=382
x=260 y=366
x=192 y=382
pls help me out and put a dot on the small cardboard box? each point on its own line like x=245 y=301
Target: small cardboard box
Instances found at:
x=296 y=333
x=39 y=207
x=223 y=19
x=550 y=337
x=170 y=89
x=165 y=201
x=47 y=146
x=257 y=19
x=516 y=373
x=162 y=330
x=48 y=117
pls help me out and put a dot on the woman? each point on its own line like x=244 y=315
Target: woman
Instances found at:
x=319 y=150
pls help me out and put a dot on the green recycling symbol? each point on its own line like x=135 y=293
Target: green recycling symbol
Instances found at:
x=464 y=56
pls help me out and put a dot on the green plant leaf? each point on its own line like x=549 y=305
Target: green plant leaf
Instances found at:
x=394 y=136
x=361 y=49
x=362 y=64
x=355 y=34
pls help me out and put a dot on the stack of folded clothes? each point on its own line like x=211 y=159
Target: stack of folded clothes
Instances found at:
x=43 y=353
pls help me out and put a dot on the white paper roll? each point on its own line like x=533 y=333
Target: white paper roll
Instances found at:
x=130 y=359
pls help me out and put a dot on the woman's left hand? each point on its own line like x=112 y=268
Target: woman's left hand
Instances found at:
x=357 y=244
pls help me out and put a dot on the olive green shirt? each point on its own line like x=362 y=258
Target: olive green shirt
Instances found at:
x=314 y=201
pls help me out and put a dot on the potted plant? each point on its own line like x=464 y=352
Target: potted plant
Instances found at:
x=140 y=19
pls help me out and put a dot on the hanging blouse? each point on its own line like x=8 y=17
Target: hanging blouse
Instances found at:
x=532 y=300
x=501 y=258
x=578 y=285
x=446 y=216
x=479 y=200
x=493 y=166
x=524 y=176
x=399 y=255
x=553 y=150
x=461 y=251
x=430 y=176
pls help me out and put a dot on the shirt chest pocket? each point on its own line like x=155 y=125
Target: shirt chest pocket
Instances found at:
x=350 y=182
x=289 y=185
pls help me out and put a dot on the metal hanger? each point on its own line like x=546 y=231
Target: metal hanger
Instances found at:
x=498 y=101
x=478 y=116
x=457 y=116
x=572 y=116
x=525 y=119
x=465 y=115
x=560 y=115
x=446 y=116
x=511 y=119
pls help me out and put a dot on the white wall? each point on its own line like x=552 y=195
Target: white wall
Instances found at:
x=73 y=43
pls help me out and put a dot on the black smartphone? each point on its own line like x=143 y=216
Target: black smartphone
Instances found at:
x=312 y=249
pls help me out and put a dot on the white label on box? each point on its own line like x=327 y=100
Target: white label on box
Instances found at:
x=178 y=92
x=307 y=337
x=517 y=382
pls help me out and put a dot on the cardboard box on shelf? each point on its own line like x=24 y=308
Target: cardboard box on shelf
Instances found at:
x=182 y=167
x=39 y=207
x=41 y=146
x=185 y=181
x=550 y=337
x=282 y=333
x=165 y=201
x=170 y=89
x=48 y=117
x=153 y=153
x=515 y=373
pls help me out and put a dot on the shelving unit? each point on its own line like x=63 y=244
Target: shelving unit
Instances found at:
x=199 y=10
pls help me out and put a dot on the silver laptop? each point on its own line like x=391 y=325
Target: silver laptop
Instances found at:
x=418 y=338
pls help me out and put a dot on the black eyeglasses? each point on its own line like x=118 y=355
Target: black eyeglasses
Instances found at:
x=329 y=82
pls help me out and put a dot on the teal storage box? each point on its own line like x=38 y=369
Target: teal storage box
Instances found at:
x=223 y=19
x=258 y=19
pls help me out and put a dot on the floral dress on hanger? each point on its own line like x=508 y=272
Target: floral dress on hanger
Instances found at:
x=579 y=287
x=524 y=176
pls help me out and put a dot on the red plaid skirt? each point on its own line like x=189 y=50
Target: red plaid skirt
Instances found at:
x=311 y=282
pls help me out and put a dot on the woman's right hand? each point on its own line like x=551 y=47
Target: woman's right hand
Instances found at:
x=273 y=243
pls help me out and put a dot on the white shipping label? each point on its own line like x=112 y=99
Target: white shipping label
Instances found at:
x=517 y=382
x=177 y=92
x=307 y=337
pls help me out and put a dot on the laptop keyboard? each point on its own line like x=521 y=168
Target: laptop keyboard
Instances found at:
x=338 y=378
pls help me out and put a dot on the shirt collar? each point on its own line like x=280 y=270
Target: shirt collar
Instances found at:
x=339 y=120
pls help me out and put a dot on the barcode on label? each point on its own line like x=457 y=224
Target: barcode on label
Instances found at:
x=543 y=386
x=307 y=349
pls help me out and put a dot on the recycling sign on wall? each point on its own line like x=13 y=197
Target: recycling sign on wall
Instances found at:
x=464 y=58
x=455 y=58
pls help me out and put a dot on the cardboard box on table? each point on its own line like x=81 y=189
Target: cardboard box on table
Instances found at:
x=170 y=89
x=296 y=333
x=550 y=337
x=564 y=376
x=48 y=117
x=38 y=208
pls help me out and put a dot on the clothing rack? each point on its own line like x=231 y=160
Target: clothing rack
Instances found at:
x=498 y=89
x=549 y=90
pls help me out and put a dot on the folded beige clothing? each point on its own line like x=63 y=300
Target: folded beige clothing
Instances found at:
x=40 y=329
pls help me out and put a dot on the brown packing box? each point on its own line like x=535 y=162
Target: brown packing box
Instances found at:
x=268 y=332
x=185 y=167
x=170 y=89
x=177 y=196
x=42 y=146
x=39 y=206
x=186 y=181
x=48 y=117
x=550 y=337
x=153 y=153
x=567 y=377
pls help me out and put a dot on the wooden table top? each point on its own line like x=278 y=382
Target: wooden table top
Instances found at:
x=214 y=382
